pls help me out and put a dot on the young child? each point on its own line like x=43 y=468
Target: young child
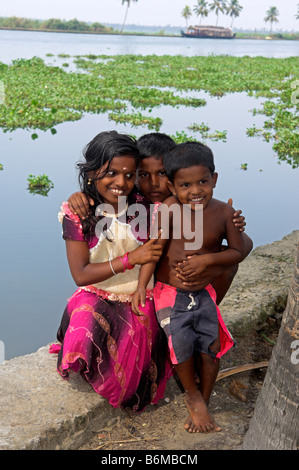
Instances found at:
x=190 y=316
x=123 y=357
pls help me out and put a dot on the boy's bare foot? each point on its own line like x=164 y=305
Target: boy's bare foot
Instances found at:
x=200 y=419
x=190 y=426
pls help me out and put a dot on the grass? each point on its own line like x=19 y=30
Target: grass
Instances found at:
x=128 y=87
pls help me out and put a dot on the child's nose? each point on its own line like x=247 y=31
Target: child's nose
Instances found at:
x=195 y=189
x=154 y=181
x=120 y=181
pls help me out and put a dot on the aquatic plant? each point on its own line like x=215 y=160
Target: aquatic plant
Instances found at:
x=203 y=130
x=40 y=184
x=137 y=120
x=38 y=96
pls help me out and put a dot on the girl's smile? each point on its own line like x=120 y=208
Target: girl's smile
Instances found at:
x=118 y=181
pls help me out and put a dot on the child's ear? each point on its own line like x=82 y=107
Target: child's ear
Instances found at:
x=215 y=178
x=171 y=188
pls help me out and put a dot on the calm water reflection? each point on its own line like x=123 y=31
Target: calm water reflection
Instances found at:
x=25 y=44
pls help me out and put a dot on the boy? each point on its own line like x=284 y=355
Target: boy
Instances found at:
x=189 y=315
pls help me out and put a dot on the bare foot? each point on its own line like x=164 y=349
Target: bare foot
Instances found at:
x=200 y=418
x=190 y=426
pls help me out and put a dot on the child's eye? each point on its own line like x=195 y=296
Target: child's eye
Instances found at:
x=129 y=175
x=162 y=173
x=143 y=175
x=185 y=185
x=203 y=181
x=110 y=173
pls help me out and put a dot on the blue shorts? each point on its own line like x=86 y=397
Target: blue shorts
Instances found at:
x=191 y=321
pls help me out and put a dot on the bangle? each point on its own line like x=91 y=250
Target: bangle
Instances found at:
x=112 y=267
x=125 y=262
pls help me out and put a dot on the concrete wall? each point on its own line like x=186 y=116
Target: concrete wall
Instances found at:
x=39 y=410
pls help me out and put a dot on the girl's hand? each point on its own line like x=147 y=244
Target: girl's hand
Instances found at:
x=150 y=252
x=79 y=204
x=238 y=220
x=138 y=299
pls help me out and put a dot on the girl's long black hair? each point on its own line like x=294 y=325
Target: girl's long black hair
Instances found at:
x=100 y=150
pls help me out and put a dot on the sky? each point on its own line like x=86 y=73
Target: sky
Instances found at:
x=151 y=12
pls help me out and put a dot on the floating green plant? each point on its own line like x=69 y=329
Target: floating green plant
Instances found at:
x=137 y=120
x=38 y=96
x=40 y=184
x=1 y=167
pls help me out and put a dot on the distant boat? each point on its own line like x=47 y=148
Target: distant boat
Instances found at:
x=214 y=32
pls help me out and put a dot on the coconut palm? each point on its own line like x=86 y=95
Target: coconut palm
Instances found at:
x=128 y=2
x=186 y=13
x=233 y=10
x=274 y=425
x=271 y=15
x=218 y=6
x=201 y=9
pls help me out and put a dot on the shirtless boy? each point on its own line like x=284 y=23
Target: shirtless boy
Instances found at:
x=189 y=315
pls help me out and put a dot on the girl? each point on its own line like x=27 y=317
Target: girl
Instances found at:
x=123 y=356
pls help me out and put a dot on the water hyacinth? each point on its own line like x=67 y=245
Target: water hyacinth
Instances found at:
x=39 y=96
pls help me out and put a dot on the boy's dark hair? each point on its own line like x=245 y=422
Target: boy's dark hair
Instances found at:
x=185 y=155
x=154 y=144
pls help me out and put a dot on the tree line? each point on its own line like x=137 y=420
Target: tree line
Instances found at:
x=55 y=24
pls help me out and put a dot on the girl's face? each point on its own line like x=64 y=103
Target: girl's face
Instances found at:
x=152 y=179
x=118 y=181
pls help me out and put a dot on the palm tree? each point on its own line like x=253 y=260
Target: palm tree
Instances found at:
x=201 y=9
x=128 y=2
x=275 y=424
x=186 y=13
x=234 y=9
x=271 y=15
x=297 y=14
x=218 y=6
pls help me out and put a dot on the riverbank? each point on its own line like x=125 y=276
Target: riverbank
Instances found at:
x=39 y=410
x=257 y=36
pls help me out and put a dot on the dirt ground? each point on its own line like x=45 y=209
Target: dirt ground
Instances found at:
x=232 y=404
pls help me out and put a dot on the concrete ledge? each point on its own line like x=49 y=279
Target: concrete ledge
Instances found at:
x=41 y=411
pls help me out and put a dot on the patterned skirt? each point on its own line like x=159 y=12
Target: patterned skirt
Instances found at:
x=123 y=356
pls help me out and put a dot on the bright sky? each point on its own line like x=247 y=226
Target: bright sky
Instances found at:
x=151 y=12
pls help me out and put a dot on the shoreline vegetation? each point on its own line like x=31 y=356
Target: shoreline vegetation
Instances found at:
x=54 y=25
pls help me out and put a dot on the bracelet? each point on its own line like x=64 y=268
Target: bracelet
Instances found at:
x=112 y=267
x=125 y=262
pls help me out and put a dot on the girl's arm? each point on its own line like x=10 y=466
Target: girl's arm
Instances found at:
x=85 y=273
